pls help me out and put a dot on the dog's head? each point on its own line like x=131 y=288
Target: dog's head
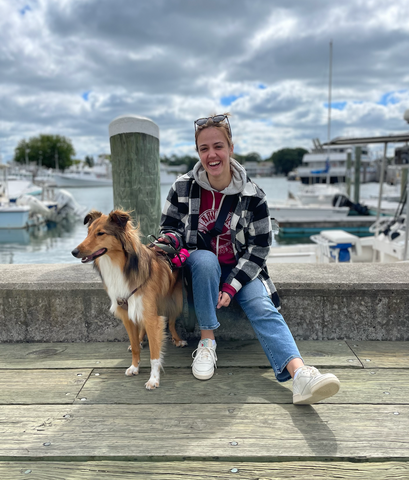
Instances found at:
x=106 y=233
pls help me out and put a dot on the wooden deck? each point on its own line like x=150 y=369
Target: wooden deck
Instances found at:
x=67 y=411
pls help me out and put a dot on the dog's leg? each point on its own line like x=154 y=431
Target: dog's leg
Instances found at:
x=155 y=326
x=133 y=334
x=142 y=333
x=176 y=340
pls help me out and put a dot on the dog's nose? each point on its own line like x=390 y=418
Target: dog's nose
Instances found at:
x=75 y=252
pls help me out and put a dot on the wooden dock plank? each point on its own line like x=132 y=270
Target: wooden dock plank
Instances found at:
x=114 y=354
x=239 y=385
x=381 y=354
x=41 y=386
x=203 y=470
x=229 y=432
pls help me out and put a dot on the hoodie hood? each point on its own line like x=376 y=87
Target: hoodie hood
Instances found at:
x=239 y=182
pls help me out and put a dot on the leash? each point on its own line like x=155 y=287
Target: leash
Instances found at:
x=123 y=302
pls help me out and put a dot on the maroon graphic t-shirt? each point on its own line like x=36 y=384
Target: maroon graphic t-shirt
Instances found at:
x=209 y=206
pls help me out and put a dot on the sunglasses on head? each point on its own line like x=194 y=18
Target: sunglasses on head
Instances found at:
x=216 y=119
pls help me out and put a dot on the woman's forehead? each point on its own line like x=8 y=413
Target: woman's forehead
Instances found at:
x=211 y=135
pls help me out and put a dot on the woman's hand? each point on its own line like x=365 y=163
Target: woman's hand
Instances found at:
x=224 y=300
x=161 y=240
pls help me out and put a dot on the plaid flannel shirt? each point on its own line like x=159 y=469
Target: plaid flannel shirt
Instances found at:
x=251 y=232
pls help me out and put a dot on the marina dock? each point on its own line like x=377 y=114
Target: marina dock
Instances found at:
x=356 y=224
x=68 y=412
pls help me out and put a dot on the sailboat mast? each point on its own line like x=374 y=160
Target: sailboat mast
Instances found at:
x=329 y=91
x=329 y=109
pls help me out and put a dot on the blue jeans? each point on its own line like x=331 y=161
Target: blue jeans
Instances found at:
x=269 y=325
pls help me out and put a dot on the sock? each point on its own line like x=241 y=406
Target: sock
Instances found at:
x=297 y=372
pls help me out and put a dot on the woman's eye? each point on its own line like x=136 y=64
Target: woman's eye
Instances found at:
x=100 y=233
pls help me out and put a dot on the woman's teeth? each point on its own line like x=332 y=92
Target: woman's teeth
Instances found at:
x=213 y=164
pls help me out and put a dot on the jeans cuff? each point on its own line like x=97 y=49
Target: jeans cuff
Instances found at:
x=211 y=327
x=283 y=375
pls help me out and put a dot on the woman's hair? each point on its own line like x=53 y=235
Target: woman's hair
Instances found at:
x=224 y=126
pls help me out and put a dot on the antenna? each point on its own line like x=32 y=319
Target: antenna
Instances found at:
x=329 y=111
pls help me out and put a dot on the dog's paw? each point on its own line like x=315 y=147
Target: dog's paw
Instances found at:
x=132 y=370
x=152 y=383
x=180 y=343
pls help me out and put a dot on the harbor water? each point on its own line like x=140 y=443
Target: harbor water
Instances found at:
x=54 y=244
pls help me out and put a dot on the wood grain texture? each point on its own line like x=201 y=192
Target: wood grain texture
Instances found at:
x=136 y=178
x=381 y=354
x=246 y=353
x=188 y=470
x=240 y=385
x=41 y=386
x=229 y=432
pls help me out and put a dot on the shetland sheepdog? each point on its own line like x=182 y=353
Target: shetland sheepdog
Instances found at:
x=139 y=281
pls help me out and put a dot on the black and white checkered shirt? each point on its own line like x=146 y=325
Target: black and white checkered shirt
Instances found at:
x=251 y=232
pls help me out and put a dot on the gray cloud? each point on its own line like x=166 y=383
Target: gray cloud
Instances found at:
x=71 y=67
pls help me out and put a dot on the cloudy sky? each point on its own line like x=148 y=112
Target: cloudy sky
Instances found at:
x=69 y=67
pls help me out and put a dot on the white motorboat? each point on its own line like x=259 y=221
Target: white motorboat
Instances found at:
x=13 y=216
x=293 y=210
x=81 y=178
x=318 y=193
x=339 y=246
x=16 y=188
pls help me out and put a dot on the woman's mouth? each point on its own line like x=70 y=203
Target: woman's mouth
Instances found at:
x=214 y=164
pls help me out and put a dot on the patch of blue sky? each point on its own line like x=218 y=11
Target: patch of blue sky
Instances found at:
x=261 y=86
x=229 y=99
x=266 y=121
x=185 y=144
x=389 y=98
x=85 y=95
x=336 y=105
x=25 y=9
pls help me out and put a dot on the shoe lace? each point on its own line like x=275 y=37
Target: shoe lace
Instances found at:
x=204 y=353
x=312 y=371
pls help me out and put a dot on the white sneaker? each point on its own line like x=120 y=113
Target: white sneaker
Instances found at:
x=310 y=386
x=204 y=360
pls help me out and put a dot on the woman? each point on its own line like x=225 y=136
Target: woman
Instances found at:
x=233 y=263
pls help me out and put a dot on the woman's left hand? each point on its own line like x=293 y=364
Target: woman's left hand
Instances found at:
x=224 y=300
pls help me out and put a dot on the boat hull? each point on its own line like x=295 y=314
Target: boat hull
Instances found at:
x=68 y=181
x=14 y=217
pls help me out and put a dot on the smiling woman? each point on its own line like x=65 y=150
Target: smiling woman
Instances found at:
x=217 y=203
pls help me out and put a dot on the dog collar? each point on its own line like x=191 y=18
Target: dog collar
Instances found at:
x=123 y=302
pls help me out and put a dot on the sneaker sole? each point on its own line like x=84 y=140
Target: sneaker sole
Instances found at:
x=326 y=388
x=203 y=376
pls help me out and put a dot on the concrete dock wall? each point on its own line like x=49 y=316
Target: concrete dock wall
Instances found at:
x=67 y=303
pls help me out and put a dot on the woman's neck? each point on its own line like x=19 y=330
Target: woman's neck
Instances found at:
x=219 y=184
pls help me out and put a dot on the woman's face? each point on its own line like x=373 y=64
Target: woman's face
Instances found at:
x=214 y=152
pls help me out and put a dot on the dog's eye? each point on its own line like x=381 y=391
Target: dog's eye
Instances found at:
x=100 y=233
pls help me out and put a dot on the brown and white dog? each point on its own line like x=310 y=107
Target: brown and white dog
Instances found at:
x=142 y=288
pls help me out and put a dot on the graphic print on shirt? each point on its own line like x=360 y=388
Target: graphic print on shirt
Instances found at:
x=207 y=220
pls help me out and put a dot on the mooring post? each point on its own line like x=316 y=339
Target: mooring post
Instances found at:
x=348 y=176
x=136 y=170
x=357 y=173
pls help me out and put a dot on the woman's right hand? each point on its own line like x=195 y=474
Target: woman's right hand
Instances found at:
x=161 y=240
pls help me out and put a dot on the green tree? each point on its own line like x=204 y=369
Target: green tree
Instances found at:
x=287 y=159
x=187 y=160
x=50 y=151
x=89 y=160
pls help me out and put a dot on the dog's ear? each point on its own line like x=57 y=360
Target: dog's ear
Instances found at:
x=120 y=218
x=91 y=216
